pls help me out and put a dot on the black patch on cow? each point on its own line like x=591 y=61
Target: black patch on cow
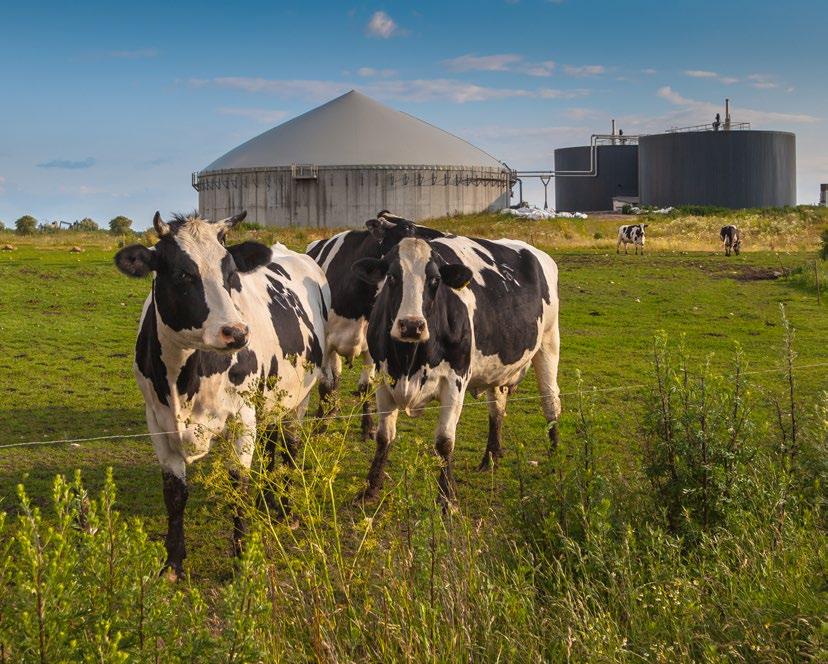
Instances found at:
x=322 y=303
x=230 y=274
x=200 y=364
x=285 y=313
x=274 y=367
x=177 y=289
x=325 y=247
x=244 y=366
x=249 y=255
x=278 y=269
x=510 y=301
x=148 y=356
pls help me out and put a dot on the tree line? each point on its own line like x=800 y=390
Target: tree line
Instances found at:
x=28 y=225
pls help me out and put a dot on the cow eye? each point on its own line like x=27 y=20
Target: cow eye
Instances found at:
x=434 y=282
x=183 y=277
x=391 y=279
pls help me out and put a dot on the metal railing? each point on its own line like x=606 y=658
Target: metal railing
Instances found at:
x=710 y=126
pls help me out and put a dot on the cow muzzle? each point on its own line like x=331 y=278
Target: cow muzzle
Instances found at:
x=410 y=329
x=234 y=336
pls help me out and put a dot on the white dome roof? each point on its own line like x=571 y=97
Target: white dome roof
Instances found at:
x=354 y=130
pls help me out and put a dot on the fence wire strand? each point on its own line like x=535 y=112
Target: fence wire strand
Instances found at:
x=356 y=414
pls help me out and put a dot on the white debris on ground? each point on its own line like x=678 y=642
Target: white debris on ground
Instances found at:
x=637 y=210
x=536 y=213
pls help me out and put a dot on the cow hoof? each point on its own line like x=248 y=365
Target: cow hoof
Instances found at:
x=554 y=436
x=489 y=462
x=172 y=572
x=367 y=495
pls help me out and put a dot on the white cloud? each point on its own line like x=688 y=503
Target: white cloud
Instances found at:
x=703 y=73
x=585 y=70
x=700 y=73
x=762 y=81
x=136 y=54
x=261 y=115
x=370 y=72
x=381 y=25
x=582 y=113
x=469 y=62
x=699 y=111
x=499 y=62
x=544 y=68
x=418 y=90
x=553 y=93
x=649 y=71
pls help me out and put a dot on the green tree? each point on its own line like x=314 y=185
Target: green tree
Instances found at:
x=87 y=224
x=120 y=225
x=26 y=225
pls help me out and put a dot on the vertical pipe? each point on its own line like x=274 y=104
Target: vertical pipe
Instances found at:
x=613 y=131
x=727 y=114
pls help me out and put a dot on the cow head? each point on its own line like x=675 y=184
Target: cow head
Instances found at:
x=194 y=276
x=413 y=278
x=389 y=230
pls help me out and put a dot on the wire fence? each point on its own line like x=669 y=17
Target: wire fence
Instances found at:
x=355 y=414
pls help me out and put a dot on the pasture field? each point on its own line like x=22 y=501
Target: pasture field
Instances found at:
x=67 y=329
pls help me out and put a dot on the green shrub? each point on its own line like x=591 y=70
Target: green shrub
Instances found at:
x=120 y=225
x=823 y=251
x=26 y=225
x=87 y=225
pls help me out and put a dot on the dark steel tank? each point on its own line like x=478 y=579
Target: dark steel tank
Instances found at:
x=733 y=169
x=616 y=175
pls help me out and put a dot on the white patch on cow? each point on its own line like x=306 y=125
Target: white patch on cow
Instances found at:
x=414 y=257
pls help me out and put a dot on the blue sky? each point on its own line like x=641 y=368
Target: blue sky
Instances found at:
x=107 y=109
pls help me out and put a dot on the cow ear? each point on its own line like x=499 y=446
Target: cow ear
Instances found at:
x=370 y=270
x=377 y=227
x=136 y=260
x=455 y=276
x=250 y=255
x=644 y=225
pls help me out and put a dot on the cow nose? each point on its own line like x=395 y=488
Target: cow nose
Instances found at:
x=235 y=336
x=411 y=328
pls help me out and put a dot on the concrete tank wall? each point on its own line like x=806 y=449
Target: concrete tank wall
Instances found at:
x=348 y=196
x=734 y=169
x=617 y=175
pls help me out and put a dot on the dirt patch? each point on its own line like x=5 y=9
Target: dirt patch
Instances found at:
x=751 y=273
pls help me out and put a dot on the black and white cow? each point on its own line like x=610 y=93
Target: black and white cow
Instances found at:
x=731 y=239
x=352 y=299
x=631 y=234
x=218 y=323
x=456 y=314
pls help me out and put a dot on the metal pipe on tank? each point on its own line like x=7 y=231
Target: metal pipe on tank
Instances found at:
x=727 y=115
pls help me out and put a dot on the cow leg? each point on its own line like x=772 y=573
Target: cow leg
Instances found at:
x=240 y=477
x=282 y=442
x=625 y=248
x=545 y=364
x=363 y=390
x=451 y=405
x=386 y=432
x=618 y=247
x=497 y=408
x=174 y=482
x=329 y=389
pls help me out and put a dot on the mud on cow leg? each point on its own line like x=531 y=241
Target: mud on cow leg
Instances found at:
x=327 y=399
x=284 y=445
x=386 y=432
x=446 y=485
x=175 y=500
x=240 y=482
x=497 y=407
x=367 y=422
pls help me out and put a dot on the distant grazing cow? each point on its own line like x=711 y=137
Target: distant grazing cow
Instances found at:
x=731 y=239
x=220 y=322
x=456 y=314
x=631 y=234
x=352 y=298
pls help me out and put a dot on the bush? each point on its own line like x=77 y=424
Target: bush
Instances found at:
x=87 y=225
x=2 y=226
x=26 y=225
x=120 y=225
x=823 y=252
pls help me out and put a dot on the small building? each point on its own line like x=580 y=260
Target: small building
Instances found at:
x=340 y=163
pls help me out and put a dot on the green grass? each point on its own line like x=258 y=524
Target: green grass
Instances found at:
x=68 y=324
